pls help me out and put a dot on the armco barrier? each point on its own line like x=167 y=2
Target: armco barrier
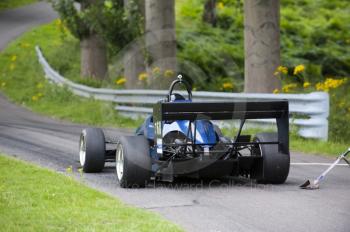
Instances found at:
x=314 y=107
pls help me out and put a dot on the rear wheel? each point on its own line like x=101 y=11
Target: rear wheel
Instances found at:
x=133 y=162
x=92 y=150
x=275 y=166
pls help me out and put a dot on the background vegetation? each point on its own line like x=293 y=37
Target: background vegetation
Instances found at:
x=218 y=51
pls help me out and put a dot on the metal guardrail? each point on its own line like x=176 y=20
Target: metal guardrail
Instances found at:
x=314 y=107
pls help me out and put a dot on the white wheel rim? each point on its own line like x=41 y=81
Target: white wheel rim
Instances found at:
x=82 y=151
x=119 y=165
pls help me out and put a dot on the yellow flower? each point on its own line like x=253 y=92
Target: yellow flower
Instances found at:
x=156 y=70
x=121 y=81
x=306 y=85
x=281 y=69
x=13 y=58
x=288 y=88
x=169 y=73
x=35 y=98
x=320 y=87
x=298 y=69
x=330 y=83
x=227 y=86
x=143 y=76
x=220 y=5
x=3 y=84
x=40 y=85
x=276 y=91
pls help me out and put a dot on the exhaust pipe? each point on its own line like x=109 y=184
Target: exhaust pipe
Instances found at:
x=314 y=184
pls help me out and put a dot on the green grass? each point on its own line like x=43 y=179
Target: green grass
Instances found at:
x=22 y=80
x=36 y=199
x=9 y=4
x=317 y=147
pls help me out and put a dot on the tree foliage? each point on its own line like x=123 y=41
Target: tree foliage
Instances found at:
x=117 y=24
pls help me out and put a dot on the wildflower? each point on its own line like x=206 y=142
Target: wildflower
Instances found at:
x=227 y=86
x=330 y=83
x=121 y=81
x=169 y=73
x=13 y=58
x=143 y=76
x=35 y=98
x=220 y=5
x=39 y=85
x=306 y=85
x=288 y=88
x=320 y=87
x=299 y=69
x=156 y=70
x=281 y=69
x=276 y=91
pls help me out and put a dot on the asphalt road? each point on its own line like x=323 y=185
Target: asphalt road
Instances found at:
x=219 y=205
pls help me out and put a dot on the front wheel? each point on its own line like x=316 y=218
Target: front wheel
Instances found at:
x=275 y=167
x=92 y=150
x=133 y=162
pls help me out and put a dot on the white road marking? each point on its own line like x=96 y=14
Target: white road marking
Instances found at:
x=316 y=164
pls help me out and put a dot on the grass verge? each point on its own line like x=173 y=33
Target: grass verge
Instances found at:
x=22 y=80
x=36 y=199
x=9 y=4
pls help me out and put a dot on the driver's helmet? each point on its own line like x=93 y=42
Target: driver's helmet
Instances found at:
x=176 y=97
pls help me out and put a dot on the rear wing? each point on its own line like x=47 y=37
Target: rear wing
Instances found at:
x=171 y=111
x=219 y=110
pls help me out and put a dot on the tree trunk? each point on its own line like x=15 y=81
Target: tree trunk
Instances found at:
x=134 y=57
x=161 y=41
x=262 y=45
x=93 y=57
x=93 y=51
x=209 y=13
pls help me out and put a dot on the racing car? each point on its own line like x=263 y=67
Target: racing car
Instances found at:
x=181 y=138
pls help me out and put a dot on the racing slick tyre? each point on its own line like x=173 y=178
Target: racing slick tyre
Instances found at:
x=92 y=150
x=133 y=162
x=275 y=166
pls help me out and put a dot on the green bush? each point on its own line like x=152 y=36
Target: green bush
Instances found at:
x=313 y=33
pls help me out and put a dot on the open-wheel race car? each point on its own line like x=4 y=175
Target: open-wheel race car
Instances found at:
x=181 y=139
